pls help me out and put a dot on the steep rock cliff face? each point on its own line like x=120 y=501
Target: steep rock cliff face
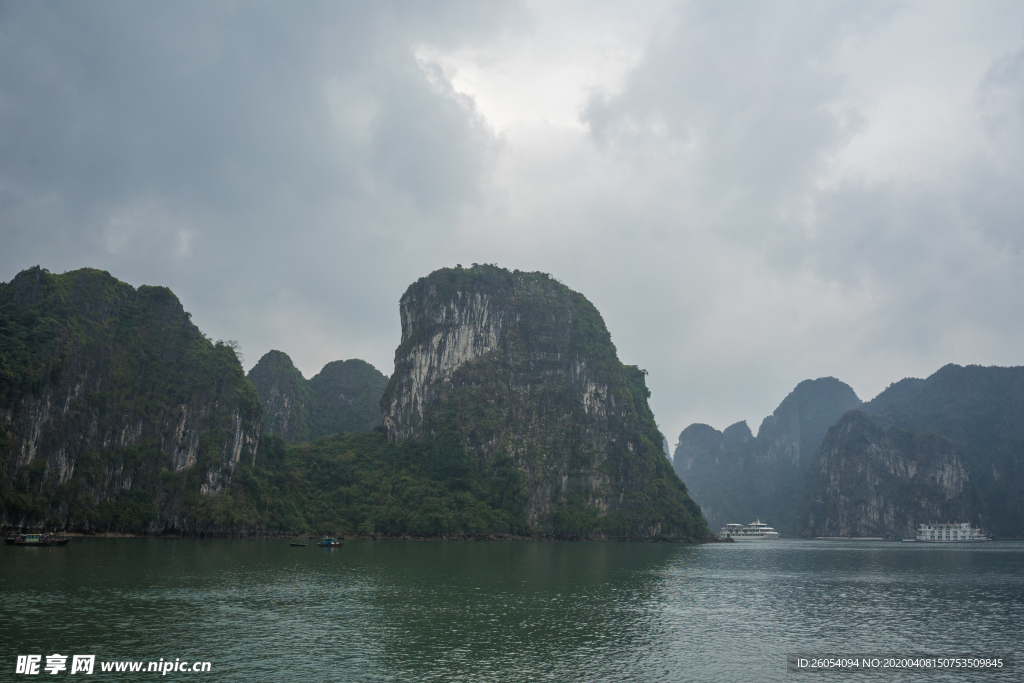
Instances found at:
x=516 y=367
x=981 y=409
x=868 y=481
x=285 y=396
x=343 y=397
x=736 y=477
x=113 y=404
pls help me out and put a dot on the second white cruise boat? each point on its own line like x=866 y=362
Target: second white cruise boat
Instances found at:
x=755 y=531
x=957 y=532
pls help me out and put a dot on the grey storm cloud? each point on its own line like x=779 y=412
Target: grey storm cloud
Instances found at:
x=228 y=106
x=741 y=88
x=752 y=193
x=234 y=151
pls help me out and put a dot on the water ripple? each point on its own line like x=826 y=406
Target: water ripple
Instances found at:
x=262 y=610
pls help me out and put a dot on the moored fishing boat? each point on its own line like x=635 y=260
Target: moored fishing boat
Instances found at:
x=330 y=542
x=43 y=540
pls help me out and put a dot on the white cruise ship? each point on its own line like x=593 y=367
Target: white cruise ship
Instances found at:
x=956 y=532
x=755 y=531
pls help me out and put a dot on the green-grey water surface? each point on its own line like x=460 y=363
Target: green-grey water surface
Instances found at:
x=494 y=611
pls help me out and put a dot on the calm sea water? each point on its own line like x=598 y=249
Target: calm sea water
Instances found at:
x=461 y=611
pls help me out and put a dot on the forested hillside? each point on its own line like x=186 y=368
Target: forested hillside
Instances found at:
x=115 y=410
x=343 y=397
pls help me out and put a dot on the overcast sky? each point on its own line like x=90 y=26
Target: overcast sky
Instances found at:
x=751 y=193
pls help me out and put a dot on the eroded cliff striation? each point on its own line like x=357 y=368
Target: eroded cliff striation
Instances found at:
x=285 y=396
x=113 y=405
x=514 y=368
x=869 y=481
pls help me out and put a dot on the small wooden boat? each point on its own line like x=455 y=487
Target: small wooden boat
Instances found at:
x=297 y=545
x=45 y=540
x=330 y=542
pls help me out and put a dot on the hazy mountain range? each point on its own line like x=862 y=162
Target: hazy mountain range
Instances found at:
x=945 y=448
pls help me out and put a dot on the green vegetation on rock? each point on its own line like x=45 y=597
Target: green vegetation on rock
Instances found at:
x=118 y=414
x=360 y=483
x=513 y=366
x=115 y=410
x=285 y=395
x=346 y=398
x=343 y=397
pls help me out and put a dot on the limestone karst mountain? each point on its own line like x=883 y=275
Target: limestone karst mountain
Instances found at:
x=736 y=477
x=285 y=396
x=868 y=481
x=948 y=446
x=509 y=413
x=115 y=410
x=343 y=397
x=516 y=369
x=981 y=410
